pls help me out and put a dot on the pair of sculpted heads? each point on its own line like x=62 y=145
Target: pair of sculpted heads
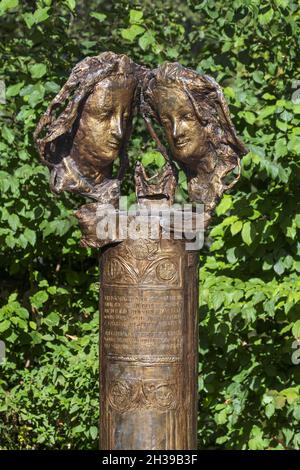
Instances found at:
x=88 y=125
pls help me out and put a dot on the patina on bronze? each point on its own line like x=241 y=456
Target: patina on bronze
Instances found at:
x=148 y=285
x=149 y=345
x=81 y=142
x=193 y=112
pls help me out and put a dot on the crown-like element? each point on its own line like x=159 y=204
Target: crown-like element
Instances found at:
x=160 y=186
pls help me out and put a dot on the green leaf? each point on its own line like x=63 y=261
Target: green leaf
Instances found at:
x=7 y=5
x=41 y=14
x=230 y=254
x=93 y=432
x=14 y=221
x=71 y=4
x=48 y=337
x=159 y=160
x=33 y=94
x=248 y=233
x=13 y=90
x=30 y=236
x=258 y=76
x=37 y=70
x=291 y=394
x=38 y=299
x=78 y=429
x=280 y=147
x=268 y=96
x=7 y=134
x=282 y=125
x=36 y=337
x=172 y=52
x=221 y=440
x=270 y=410
x=279 y=267
x=294 y=145
x=236 y=227
x=22 y=324
x=135 y=16
x=288 y=434
x=229 y=92
x=221 y=418
x=296 y=329
x=29 y=19
x=296 y=413
x=146 y=40
x=216 y=300
x=36 y=97
x=249 y=314
x=157 y=48
x=267 y=111
x=52 y=319
x=99 y=16
x=10 y=241
x=52 y=87
x=4 y=325
x=148 y=158
x=225 y=205
x=249 y=117
x=131 y=33
x=279 y=402
x=265 y=18
x=258 y=443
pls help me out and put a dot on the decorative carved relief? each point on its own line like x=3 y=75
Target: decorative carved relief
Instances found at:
x=125 y=395
x=143 y=249
x=163 y=270
x=118 y=271
x=142 y=262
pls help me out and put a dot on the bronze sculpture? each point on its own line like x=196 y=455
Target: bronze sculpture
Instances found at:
x=148 y=284
x=193 y=112
x=81 y=144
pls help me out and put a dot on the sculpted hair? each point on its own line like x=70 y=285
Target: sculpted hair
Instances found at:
x=81 y=82
x=210 y=109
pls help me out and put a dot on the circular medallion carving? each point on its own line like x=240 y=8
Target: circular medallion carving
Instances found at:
x=120 y=395
x=166 y=270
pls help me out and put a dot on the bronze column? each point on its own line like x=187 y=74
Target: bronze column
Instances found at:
x=148 y=345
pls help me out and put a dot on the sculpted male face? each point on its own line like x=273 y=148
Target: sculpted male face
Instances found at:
x=103 y=124
x=183 y=131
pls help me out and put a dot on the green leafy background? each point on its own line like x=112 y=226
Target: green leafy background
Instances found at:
x=250 y=264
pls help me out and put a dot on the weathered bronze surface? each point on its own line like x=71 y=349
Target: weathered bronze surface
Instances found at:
x=149 y=324
x=193 y=112
x=148 y=284
x=82 y=142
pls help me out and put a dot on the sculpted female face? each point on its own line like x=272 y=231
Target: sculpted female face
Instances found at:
x=104 y=122
x=103 y=125
x=83 y=139
x=184 y=133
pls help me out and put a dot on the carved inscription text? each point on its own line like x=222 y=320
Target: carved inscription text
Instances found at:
x=143 y=324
